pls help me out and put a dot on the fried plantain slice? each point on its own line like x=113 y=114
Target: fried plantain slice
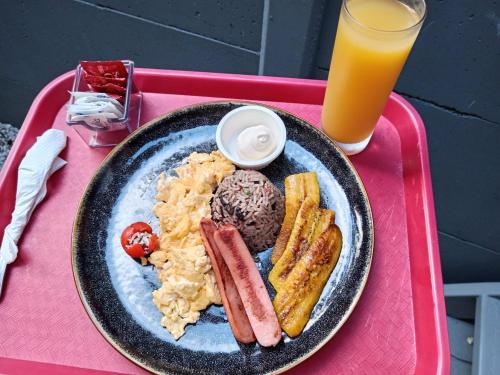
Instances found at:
x=299 y=294
x=325 y=219
x=309 y=226
x=300 y=239
x=297 y=188
x=294 y=196
x=311 y=185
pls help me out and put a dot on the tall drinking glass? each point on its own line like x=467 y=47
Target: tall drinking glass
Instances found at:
x=374 y=38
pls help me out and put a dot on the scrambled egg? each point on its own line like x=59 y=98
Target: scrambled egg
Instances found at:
x=188 y=282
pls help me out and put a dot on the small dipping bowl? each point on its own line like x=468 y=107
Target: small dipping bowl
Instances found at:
x=234 y=122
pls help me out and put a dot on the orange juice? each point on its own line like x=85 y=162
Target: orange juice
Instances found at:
x=374 y=38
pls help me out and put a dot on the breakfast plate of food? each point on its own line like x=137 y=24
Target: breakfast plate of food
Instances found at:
x=222 y=237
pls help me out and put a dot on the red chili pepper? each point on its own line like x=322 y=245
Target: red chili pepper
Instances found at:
x=138 y=240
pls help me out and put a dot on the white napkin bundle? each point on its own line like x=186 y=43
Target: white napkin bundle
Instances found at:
x=40 y=162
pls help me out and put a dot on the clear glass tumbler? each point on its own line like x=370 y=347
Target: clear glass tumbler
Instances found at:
x=116 y=129
x=374 y=38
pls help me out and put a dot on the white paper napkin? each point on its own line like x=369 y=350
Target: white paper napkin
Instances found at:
x=39 y=163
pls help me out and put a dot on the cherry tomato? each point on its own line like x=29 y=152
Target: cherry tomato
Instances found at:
x=129 y=231
x=154 y=242
x=136 y=249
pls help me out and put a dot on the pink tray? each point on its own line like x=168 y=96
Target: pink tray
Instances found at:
x=399 y=325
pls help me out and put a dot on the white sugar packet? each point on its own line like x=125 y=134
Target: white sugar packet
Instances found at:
x=94 y=108
x=39 y=163
x=98 y=120
x=98 y=110
x=90 y=97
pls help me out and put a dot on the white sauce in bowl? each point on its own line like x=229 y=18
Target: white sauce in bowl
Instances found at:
x=255 y=142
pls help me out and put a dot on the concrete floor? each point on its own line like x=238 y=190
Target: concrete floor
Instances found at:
x=7 y=135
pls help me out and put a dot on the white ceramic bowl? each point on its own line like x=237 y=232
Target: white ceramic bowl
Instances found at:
x=241 y=118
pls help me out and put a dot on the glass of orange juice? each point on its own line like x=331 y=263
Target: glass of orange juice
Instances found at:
x=374 y=38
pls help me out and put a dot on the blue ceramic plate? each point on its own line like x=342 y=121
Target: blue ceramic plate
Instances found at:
x=116 y=291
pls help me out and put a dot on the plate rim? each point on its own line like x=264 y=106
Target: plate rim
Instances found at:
x=152 y=122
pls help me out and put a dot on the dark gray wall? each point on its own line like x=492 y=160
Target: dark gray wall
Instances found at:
x=452 y=78
x=42 y=39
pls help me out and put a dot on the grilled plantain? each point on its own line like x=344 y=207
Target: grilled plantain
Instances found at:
x=297 y=188
x=295 y=300
x=311 y=186
x=310 y=223
x=324 y=220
